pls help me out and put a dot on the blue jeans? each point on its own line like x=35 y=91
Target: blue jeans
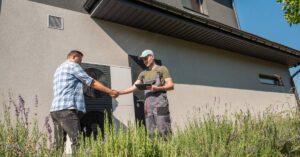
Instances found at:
x=66 y=122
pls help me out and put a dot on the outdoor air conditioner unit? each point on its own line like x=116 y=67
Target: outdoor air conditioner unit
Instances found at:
x=96 y=102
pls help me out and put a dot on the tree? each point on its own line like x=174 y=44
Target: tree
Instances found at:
x=291 y=10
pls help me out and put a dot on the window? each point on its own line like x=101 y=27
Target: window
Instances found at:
x=198 y=6
x=55 y=22
x=270 y=79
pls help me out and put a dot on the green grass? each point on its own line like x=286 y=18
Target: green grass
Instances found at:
x=272 y=134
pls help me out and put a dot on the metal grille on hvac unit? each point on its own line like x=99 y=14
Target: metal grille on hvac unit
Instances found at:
x=94 y=99
x=55 y=22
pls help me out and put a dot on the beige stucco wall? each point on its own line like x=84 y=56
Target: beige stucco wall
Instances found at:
x=208 y=78
x=30 y=51
x=204 y=76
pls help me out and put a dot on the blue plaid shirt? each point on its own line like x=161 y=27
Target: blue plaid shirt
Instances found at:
x=68 y=79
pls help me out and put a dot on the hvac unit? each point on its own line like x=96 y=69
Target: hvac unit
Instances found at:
x=96 y=101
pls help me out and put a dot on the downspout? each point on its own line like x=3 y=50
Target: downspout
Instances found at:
x=236 y=15
x=91 y=6
x=294 y=89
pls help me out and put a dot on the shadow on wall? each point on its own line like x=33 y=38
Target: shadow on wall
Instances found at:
x=196 y=64
x=0 y=5
x=74 y=5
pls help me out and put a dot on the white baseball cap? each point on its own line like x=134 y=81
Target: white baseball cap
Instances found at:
x=145 y=53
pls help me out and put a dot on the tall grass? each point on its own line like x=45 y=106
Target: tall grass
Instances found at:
x=242 y=135
x=18 y=136
x=271 y=134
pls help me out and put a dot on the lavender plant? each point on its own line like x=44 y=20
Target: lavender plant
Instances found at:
x=271 y=134
x=18 y=137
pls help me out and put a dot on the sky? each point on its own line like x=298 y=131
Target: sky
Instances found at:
x=265 y=18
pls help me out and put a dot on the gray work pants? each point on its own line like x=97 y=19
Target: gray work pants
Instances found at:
x=157 y=114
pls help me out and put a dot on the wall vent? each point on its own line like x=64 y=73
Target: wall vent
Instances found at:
x=55 y=22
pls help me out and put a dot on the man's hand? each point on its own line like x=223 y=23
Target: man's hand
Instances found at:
x=114 y=93
x=130 y=89
x=121 y=92
x=168 y=86
x=153 y=88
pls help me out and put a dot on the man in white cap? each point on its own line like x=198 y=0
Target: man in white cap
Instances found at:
x=157 y=113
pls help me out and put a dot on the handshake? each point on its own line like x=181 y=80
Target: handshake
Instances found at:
x=113 y=93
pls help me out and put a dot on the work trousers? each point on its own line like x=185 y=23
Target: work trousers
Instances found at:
x=157 y=114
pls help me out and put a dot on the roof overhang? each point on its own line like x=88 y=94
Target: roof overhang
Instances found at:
x=161 y=18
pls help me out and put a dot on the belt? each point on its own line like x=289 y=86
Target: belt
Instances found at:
x=158 y=92
x=155 y=93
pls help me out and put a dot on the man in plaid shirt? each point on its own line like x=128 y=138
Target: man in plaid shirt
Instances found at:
x=68 y=103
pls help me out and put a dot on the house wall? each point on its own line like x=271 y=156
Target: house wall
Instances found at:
x=208 y=78
x=30 y=51
x=205 y=77
x=218 y=10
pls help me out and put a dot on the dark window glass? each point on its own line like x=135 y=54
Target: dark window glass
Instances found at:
x=271 y=80
x=195 y=5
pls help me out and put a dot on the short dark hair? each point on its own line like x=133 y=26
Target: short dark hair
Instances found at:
x=74 y=52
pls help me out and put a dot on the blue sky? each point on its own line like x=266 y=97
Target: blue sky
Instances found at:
x=265 y=18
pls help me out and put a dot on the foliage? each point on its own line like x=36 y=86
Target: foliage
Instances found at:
x=242 y=134
x=19 y=137
x=291 y=10
x=245 y=135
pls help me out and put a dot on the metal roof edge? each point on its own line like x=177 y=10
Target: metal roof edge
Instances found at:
x=225 y=28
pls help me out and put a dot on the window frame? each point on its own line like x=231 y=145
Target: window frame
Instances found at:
x=202 y=6
x=275 y=78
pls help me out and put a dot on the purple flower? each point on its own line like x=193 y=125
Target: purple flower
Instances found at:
x=48 y=128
